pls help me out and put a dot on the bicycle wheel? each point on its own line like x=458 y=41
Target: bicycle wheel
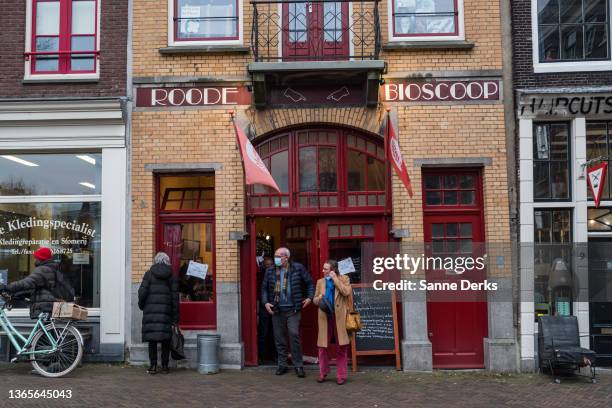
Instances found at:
x=61 y=361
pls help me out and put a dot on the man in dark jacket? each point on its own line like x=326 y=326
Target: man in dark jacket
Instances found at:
x=282 y=293
x=39 y=284
x=159 y=301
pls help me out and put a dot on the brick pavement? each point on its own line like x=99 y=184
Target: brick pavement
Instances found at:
x=122 y=386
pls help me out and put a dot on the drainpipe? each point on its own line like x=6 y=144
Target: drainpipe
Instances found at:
x=128 y=184
x=511 y=154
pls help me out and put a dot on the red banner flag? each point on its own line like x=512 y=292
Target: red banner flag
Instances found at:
x=255 y=171
x=395 y=154
x=596 y=177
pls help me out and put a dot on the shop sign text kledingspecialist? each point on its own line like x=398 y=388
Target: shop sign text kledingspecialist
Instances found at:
x=168 y=97
x=441 y=91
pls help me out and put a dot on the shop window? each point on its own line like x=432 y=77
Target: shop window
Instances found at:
x=50 y=174
x=64 y=37
x=551 y=161
x=598 y=138
x=553 y=261
x=68 y=223
x=454 y=190
x=573 y=30
x=425 y=18
x=205 y=20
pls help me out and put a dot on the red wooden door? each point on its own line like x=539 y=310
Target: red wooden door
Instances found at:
x=454 y=228
x=315 y=31
x=192 y=241
x=300 y=236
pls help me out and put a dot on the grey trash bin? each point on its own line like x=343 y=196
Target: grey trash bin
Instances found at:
x=208 y=353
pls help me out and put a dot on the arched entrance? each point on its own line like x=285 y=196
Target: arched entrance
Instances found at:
x=335 y=196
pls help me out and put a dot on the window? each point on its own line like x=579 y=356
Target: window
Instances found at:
x=205 y=21
x=64 y=37
x=322 y=169
x=67 y=219
x=600 y=219
x=426 y=19
x=553 y=260
x=50 y=174
x=187 y=193
x=551 y=161
x=571 y=31
x=455 y=190
x=598 y=135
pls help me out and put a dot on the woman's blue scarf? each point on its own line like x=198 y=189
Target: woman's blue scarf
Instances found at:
x=329 y=292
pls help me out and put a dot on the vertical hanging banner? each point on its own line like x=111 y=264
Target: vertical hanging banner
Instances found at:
x=395 y=154
x=596 y=177
x=255 y=170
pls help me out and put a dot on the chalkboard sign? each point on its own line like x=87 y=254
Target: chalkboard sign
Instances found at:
x=379 y=333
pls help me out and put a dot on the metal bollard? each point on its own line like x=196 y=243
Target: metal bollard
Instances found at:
x=208 y=353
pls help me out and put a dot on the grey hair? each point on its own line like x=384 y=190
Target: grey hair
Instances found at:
x=161 y=258
x=285 y=250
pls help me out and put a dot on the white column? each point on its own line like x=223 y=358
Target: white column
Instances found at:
x=112 y=280
x=527 y=324
x=581 y=308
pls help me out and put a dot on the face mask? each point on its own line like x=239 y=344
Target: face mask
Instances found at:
x=278 y=261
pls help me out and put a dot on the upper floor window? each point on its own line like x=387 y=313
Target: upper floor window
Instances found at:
x=568 y=33
x=426 y=19
x=551 y=161
x=64 y=37
x=205 y=21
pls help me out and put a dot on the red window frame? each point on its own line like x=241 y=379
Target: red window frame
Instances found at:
x=453 y=34
x=264 y=201
x=65 y=35
x=175 y=23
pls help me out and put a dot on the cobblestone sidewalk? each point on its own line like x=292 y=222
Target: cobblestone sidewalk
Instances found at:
x=123 y=386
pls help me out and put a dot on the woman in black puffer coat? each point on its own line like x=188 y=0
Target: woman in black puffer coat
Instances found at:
x=159 y=301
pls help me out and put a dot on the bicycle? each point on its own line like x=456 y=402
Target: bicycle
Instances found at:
x=54 y=348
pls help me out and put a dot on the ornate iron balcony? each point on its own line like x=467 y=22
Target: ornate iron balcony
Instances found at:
x=320 y=30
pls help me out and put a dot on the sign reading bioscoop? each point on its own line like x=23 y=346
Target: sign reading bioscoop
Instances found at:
x=442 y=91
x=169 y=97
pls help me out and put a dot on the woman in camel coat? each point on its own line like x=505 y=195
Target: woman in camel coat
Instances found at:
x=332 y=295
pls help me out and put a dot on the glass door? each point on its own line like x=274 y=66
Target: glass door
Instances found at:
x=190 y=246
x=315 y=31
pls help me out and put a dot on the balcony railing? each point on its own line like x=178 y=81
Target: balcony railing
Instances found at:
x=320 y=30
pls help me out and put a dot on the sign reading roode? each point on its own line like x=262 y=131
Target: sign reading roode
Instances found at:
x=192 y=96
x=442 y=91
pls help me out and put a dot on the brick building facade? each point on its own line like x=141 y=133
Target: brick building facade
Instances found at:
x=63 y=121
x=307 y=95
x=562 y=83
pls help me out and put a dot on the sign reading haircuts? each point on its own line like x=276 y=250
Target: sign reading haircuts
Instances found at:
x=168 y=97
x=441 y=91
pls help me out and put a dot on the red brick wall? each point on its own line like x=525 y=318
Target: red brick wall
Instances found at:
x=113 y=46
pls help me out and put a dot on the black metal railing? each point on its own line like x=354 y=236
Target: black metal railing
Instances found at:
x=320 y=30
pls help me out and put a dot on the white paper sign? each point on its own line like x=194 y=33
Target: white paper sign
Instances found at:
x=346 y=266
x=199 y=270
x=190 y=26
x=80 y=258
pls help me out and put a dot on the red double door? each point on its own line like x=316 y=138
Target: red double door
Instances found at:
x=315 y=29
x=453 y=226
